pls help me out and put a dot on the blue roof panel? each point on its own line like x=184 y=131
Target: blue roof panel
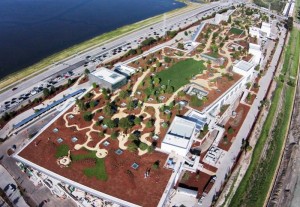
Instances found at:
x=55 y=103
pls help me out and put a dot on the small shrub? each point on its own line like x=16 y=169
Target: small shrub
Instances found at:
x=155 y=165
x=114 y=135
x=143 y=146
x=230 y=130
x=88 y=116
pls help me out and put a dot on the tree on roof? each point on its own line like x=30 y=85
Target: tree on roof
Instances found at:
x=124 y=94
x=109 y=109
x=132 y=147
x=109 y=123
x=88 y=116
x=137 y=120
x=125 y=123
x=81 y=105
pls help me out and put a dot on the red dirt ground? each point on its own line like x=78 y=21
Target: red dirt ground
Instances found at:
x=236 y=123
x=123 y=181
x=253 y=96
x=197 y=180
x=223 y=84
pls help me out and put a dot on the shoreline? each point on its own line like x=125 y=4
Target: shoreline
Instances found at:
x=14 y=78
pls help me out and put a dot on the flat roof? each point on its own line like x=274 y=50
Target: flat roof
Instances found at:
x=254 y=46
x=125 y=186
x=180 y=132
x=244 y=65
x=256 y=29
x=199 y=118
x=265 y=25
x=108 y=75
x=125 y=69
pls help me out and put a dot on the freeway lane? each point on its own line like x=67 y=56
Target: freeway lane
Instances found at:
x=78 y=59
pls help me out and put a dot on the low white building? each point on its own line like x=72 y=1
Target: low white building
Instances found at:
x=264 y=31
x=222 y=17
x=255 y=50
x=179 y=136
x=108 y=79
x=244 y=68
x=125 y=70
x=254 y=32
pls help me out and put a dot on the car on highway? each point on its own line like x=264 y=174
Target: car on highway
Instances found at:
x=33 y=92
x=15 y=88
x=20 y=100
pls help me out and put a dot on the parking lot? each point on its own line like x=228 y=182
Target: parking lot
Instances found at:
x=18 y=95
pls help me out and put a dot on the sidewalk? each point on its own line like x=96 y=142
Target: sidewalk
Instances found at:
x=228 y=161
x=8 y=128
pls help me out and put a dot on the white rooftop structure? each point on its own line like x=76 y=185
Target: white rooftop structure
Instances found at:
x=243 y=68
x=266 y=28
x=107 y=75
x=254 y=32
x=254 y=49
x=222 y=17
x=179 y=136
x=243 y=65
x=125 y=70
x=199 y=118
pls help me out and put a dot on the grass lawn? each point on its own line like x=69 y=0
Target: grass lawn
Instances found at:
x=292 y=54
x=62 y=150
x=236 y=31
x=94 y=42
x=257 y=181
x=180 y=74
x=97 y=171
x=248 y=179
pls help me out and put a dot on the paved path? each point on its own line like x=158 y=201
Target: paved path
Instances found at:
x=78 y=60
x=8 y=128
x=35 y=194
x=228 y=160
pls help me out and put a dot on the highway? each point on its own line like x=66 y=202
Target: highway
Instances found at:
x=77 y=61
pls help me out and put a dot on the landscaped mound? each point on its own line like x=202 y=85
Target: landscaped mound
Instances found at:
x=180 y=74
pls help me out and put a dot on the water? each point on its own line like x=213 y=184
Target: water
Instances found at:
x=31 y=30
